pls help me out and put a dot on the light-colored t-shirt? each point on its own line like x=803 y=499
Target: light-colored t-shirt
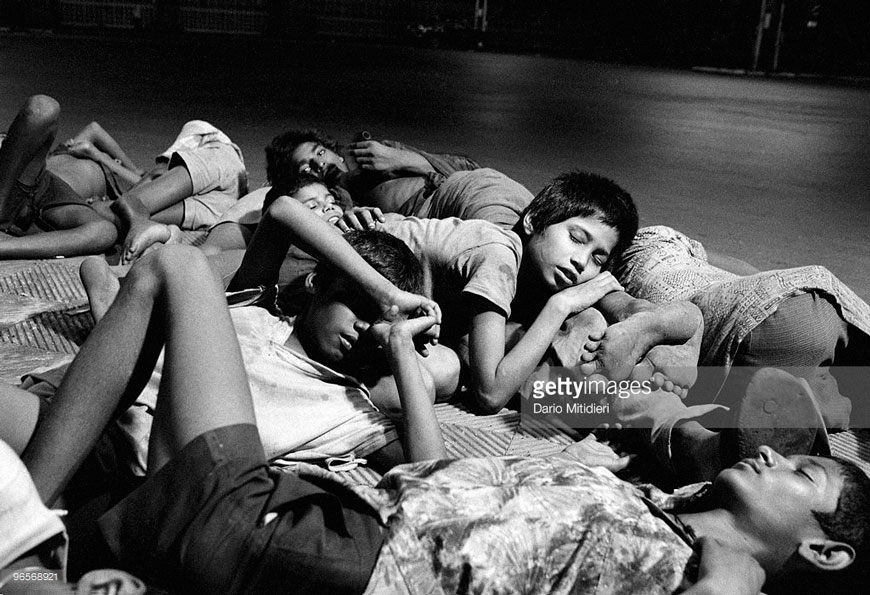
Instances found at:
x=462 y=258
x=305 y=411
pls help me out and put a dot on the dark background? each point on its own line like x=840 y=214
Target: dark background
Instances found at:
x=815 y=36
x=772 y=169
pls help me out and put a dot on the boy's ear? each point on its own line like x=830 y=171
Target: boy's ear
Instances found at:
x=527 y=224
x=311 y=283
x=826 y=554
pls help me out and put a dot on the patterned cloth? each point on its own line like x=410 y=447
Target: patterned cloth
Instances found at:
x=663 y=265
x=517 y=525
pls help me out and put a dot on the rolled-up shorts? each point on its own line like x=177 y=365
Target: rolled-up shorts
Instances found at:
x=216 y=519
x=48 y=192
x=219 y=178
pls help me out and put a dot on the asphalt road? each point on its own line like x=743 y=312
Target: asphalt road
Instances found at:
x=776 y=172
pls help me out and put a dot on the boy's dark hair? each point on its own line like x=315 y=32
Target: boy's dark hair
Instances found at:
x=388 y=255
x=583 y=194
x=280 y=168
x=850 y=522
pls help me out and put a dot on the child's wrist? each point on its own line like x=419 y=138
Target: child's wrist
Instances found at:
x=559 y=305
x=400 y=341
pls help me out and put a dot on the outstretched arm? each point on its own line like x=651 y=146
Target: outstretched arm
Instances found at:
x=290 y=222
x=86 y=150
x=497 y=376
x=97 y=136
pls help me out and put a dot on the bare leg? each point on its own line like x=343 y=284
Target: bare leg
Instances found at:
x=19 y=411
x=176 y=236
x=639 y=327
x=135 y=208
x=170 y=297
x=22 y=156
x=101 y=285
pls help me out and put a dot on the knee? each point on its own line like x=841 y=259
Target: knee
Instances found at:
x=180 y=260
x=805 y=330
x=443 y=364
x=41 y=110
x=157 y=269
x=91 y=130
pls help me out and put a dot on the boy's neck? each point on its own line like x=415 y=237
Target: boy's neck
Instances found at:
x=720 y=524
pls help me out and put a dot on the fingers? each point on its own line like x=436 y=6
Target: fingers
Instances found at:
x=419 y=325
x=618 y=464
x=361 y=219
x=606 y=282
x=111 y=581
x=431 y=308
x=367 y=220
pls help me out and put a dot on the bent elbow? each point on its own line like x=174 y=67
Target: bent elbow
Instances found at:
x=488 y=402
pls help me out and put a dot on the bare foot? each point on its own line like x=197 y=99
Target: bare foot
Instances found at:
x=626 y=344
x=673 y=368
x=570 y=343
x=141 y=236
x=100 y=283
x=175 y=237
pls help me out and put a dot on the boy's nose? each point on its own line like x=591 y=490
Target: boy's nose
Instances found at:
x=768 y=455
x=579 y=261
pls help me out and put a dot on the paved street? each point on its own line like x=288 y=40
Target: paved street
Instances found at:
x=776 y=172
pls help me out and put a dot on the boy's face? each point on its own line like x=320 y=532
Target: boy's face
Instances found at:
x=313 y=158
x=570 y=252
x=319 y=199
x=337 y=318
x=775 y=495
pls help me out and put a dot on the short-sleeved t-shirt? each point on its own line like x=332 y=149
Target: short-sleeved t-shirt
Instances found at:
x=305 y=411
x=462 y=258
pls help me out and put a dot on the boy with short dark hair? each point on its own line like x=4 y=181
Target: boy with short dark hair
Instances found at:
x=393 y=177
x=323 y=352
